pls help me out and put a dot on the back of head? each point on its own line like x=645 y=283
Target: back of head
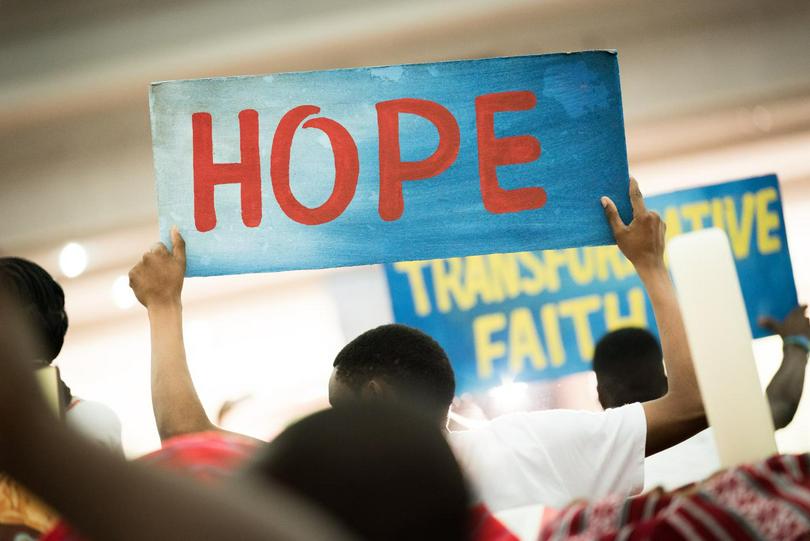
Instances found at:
x=41 y=297
x=385 y=472
x=405 y=359
x=629 y=368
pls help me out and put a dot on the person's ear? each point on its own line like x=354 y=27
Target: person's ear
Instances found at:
x=601 y=395
x=376 y=389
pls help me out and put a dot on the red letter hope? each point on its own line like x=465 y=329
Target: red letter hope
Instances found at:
x=493 y=152
x=393 y=171
x=208 y=174
x=347 y=167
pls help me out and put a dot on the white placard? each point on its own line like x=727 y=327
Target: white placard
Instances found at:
x=720 y=340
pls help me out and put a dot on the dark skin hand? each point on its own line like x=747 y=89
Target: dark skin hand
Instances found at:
x=157 y=281
x=678 y=415
x=105 y=497
x=785 y=389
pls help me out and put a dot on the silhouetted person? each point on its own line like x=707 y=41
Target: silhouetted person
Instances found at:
x=43 y=301
x=629 y=367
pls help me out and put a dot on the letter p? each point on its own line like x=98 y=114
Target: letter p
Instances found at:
x=393 y=171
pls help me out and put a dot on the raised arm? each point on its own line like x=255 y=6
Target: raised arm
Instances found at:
x=158 y=282
x=108 y=498
x=785 y=390
x=678 y=414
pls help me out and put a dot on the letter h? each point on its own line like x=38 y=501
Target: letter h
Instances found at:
x=208 y=174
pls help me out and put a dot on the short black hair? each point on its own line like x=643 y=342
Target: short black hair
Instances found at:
x=41 y=297
x=387 y=473
x=407 y=359
x=629 y=367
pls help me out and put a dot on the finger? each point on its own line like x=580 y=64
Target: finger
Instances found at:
x=612 y=215
x=178 y=244
x=769 y=323
x=158 y=247
x=636 y=199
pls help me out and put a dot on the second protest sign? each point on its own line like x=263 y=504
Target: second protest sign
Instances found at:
x=537 y=315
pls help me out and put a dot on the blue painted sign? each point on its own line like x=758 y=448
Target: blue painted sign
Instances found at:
x=536 y=315
x=369 y=165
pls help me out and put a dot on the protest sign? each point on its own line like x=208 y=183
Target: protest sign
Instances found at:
x=536 y=315
x=369 y=165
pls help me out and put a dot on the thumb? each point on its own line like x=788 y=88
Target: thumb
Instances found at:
x=769 y=323
x=178 y=244
x=612 y=215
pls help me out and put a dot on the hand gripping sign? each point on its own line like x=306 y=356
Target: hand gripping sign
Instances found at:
x=370 y=165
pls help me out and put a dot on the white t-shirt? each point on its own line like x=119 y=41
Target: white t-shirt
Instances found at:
x=553 y=457
x=692 y=460
x=96 y=422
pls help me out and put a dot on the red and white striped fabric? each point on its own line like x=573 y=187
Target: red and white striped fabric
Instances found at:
x=766 y=500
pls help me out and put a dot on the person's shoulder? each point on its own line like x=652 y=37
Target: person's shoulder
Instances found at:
x=95 y=421
x=90 y=410
x=207 y=455
x=555 y=425
x=570 y=417
x=634 y=409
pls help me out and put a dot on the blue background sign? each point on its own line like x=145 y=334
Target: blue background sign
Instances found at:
x=369 y=165
x=537 y=315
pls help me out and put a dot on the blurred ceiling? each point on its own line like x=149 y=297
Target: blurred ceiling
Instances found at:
x=703 y=83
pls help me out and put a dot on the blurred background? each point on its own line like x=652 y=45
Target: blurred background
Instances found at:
x=712 y=91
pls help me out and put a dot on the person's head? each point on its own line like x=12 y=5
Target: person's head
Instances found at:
x=40 y=297
x=385 y=472
x=629 y=368
x=394 y=362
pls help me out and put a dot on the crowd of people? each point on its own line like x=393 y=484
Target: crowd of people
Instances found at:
x=380 y=463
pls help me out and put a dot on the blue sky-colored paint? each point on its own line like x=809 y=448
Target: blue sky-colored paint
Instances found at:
x=577 y=119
